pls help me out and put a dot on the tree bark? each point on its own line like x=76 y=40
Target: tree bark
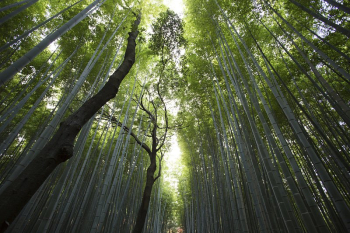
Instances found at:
x=141 y=216
x=150 y=179
x=60 y=147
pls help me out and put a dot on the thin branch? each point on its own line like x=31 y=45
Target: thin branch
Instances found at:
x=143 y=145
x=160 y=165
x=166 y=120
x=126 y=129
x=146 y=110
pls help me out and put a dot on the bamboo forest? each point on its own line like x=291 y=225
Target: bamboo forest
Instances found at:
x=162 y=116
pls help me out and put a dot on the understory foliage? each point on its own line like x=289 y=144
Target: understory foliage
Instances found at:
x=263 y=120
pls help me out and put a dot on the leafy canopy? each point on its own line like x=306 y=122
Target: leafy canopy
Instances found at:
x=167 y=37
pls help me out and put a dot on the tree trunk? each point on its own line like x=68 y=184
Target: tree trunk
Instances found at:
x=141 y=216
x=60 y=147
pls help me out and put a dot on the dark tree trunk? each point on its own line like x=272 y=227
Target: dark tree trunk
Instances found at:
x=60 y=147
x=141 y=216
